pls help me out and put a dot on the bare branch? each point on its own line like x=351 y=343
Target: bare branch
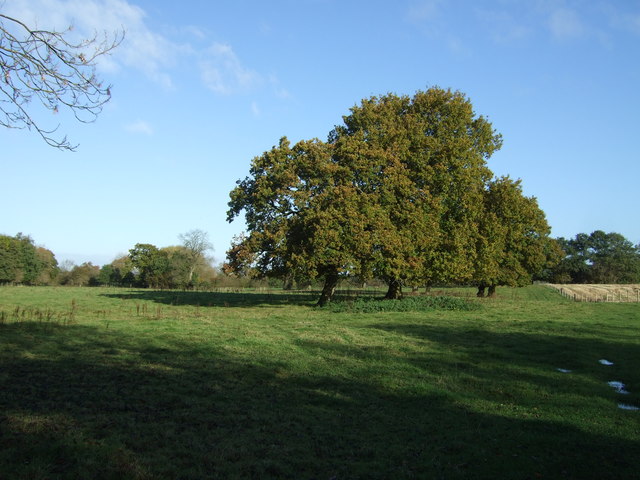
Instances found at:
x=45 y=65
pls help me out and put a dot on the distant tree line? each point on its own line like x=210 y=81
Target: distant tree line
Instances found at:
x=183 y=266
x=598 y=257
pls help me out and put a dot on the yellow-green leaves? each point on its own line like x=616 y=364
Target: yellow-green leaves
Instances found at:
x=400 y=191
x=513 y=241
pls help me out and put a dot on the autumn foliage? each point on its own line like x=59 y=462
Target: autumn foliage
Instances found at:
x=401 y=191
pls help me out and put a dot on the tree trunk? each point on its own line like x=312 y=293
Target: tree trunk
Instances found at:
x=395 y=290
x=330 y=284
x=480 y=293
x=492 y=291
x=289 y=283
x=192 y=270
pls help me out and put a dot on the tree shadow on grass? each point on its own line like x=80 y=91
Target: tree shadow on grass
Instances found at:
x=217 y=299
x=576 y=350
x=85 y=402
x=237 y=299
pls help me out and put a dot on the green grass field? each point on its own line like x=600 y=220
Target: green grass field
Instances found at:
x=134 y=384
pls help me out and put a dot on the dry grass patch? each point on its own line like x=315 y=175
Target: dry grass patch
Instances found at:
x=600 y=292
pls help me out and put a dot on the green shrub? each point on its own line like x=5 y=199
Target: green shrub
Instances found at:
x=409 y=304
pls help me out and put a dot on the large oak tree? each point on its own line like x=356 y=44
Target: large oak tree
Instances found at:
x=303 y=219
x=424 y=160
x=395 y=193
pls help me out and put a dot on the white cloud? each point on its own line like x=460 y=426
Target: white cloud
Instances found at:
x=278 y=90
x=255 y=109
x=195 y=32
x=565 y=23
x=139 y=126
x=626 y=21
x=423 y=10
x=432 y=17
x=142 y=48
x=223 y=73
x=503 y=27
x=283 y=93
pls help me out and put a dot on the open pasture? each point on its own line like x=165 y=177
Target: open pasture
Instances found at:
x=137 y=384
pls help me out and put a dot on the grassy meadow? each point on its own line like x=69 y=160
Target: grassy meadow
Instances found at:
x=133 y=384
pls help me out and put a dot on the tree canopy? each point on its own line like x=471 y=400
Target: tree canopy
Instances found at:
x=422 y=159
x=24 y=263
x=195 y=245
x=597 y=257
x=397 y=192
x=152 y=265
x=513 y=242
x=290 y=202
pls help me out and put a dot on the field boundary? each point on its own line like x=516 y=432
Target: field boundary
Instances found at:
x=609 y=293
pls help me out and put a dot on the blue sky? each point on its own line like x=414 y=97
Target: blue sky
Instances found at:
x=201 y=87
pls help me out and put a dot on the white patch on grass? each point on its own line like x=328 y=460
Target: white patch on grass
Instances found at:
x=618 y=387
x=624 y=406
x=606 y=362
x=563 y=370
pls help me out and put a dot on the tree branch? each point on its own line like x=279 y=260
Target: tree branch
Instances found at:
x=56 y=71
